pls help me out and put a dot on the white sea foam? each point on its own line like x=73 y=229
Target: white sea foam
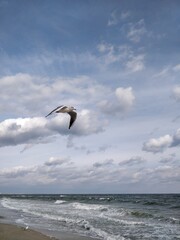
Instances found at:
x=7 y=204
x=85 y=206
x=105 y=235
x=60 y=201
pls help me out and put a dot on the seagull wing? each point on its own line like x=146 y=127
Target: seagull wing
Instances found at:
x=73 y=116
x=54 y=110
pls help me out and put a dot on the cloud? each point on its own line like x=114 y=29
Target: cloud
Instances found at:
x=113 y=20
x=121 y=102
x=163 y=73
x=168 y=159
x=165 y=174
x=110 y=54
x=16 y=172
x=45 y=173
x=104 y=147
x=157 y=145
x=106 y=163
x=176 y=93
x=176 y=68
x=176 y=139
x=54 y=161
x=121 y=55
x=38 y=129
x=108 y=173
x=125 y=15
x=136 y=31
x=132 y=161
x=136 y=63
x=125 y=97
x=25 y=94
x=160 y=144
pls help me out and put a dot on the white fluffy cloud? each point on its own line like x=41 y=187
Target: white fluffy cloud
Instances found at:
x=121 y=102
x=23 y=94
x=156 y=145
x=54 y=161
x=125 y=97
x=35 y=130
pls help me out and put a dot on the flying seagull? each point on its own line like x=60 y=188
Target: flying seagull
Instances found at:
x=65 y=109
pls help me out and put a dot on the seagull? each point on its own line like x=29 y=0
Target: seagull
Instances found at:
x=66 y=109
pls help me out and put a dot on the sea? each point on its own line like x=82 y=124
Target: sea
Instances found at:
x=108 y=216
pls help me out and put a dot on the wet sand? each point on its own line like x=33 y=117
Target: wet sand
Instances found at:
x=13 y=232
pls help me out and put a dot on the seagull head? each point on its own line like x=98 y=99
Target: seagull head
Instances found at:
x=72 y=108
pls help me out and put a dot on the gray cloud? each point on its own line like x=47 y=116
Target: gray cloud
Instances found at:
x=171 y=159
x=104 y=147
x=106 y=163
x=165 y=174
x=62 y=171
x=177 y=118
x=16 y=172
x=176 y=139
x=132 y=161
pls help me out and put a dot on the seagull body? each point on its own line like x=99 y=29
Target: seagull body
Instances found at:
x=66 y=109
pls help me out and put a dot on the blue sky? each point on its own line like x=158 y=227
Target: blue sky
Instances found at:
x=118 y=64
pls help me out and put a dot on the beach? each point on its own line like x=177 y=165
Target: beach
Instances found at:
x=15 y=232
x=12 y=232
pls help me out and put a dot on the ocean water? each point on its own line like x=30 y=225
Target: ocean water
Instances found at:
x=108 y=217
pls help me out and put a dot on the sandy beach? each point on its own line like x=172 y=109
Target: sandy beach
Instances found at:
x=13 y=232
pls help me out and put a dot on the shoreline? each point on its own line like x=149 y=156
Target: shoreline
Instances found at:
x=9 y=231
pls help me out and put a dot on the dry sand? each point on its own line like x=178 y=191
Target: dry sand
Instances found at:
x=13 y=232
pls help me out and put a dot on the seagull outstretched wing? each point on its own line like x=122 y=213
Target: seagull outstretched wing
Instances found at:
x=73 y=116
x=54 y=110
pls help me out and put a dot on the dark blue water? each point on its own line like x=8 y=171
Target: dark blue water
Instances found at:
x=109 y=217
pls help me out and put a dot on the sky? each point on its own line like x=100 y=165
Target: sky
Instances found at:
x=117 y=62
